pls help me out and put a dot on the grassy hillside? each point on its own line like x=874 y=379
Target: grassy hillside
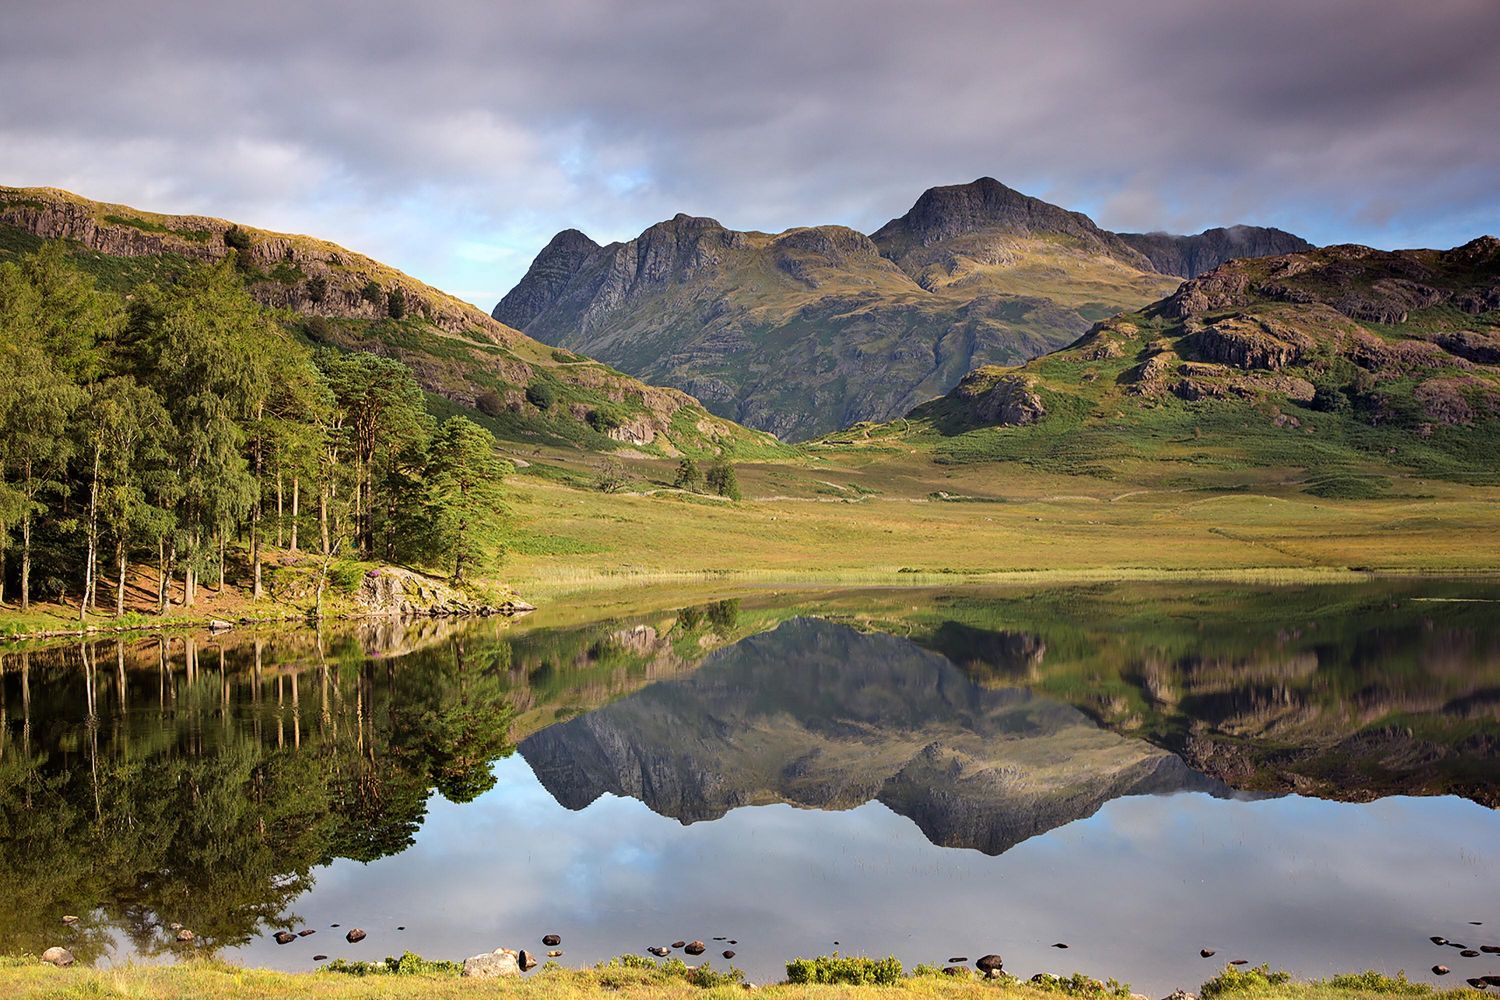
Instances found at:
x=522 y=390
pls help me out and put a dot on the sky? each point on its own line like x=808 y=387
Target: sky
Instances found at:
x=453 y=138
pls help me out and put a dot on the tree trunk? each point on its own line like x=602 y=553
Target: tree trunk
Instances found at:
x=255 y=515
x=189 y=588
x=90 y=571
x=323 y=516
x=295 y=484
x=120 y=553
x=220 y=588
x=26 y=544
x=280 y=512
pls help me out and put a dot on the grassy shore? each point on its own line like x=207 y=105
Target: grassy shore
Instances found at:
x=23 y=979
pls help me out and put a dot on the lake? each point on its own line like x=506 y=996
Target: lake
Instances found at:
x=1300 y=775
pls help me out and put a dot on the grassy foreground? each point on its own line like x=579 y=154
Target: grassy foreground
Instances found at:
x=23 y=979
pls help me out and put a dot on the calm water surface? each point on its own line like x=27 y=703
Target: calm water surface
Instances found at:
x=1303 y=776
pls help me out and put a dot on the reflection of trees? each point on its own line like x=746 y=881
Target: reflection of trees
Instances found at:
x=183 y=782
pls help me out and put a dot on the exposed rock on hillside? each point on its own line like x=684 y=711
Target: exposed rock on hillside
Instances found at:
x=549 y=274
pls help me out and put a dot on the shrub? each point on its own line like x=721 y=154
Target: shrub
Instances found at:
x=408 y=964
x=540 y=395
x=371 y=293
x=850 y=970
x=395 y=303
x=604 y=419
x=611 y=477
x=1233 y=980
x=317 y=288
x=236 y=238
x=1377 y=982
x=489 y=403
x=1079 y=985
x=317 y=328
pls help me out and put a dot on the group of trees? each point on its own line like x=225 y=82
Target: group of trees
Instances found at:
x=164 y=426
x=720 y=478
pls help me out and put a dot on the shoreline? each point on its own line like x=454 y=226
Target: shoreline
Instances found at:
x=632 y=976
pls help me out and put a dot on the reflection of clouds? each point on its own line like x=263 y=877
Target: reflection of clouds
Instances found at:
x=1313 y=886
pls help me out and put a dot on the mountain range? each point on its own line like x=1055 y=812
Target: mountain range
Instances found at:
x=804 y=332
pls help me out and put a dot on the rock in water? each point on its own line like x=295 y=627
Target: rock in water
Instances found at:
x=285 y=937
x=990 y=965
x=551 y=940
x=1440 y=970
x=306 y=933
x=660 y=951
x=1206 y=952
x=695 y=947
x=957 y=961
x=320 y=958
x=1490 y=949
x=60 y=957
x=955 y=970
x=555 y=953
x=679 y=944
x=494 y=965
x=1468 y=953
x=728 y=955
x=1059 y=945
x=1478 y=984
x=526 y=960
x=1438 y=940
x=355 y=936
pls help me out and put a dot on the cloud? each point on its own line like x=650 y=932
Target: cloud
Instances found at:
x=417 y=132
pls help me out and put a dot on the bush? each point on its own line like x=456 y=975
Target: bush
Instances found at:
x=604 y=419
x=408 y=964
x=317 y=288
x=371 y=293
x=540 y=395
x=722 y=480
x=317 y=329
x=395 y=304
x=1079 y=985
x=1232 y=980
x=489 y=403
x=1377 y=982
x=236 y=238
x=611 y=477
x=850 y=971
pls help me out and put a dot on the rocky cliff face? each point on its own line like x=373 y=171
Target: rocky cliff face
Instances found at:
x=822 y=716
x=1190 y=256
x=550 y=273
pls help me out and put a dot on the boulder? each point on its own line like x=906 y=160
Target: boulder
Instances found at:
x=551 y=940
x=355 y=936
x=990 y=965
x=660 y=951
x=1206 y=952
x=186 y=935
x=60 y=957
x=492 y=965
x=526 y=960
x=679 y=944
x=1440 y=970
x=728 y=955
x=306 y=933
x=285 y=937
x=555 y=953
x=695 y=948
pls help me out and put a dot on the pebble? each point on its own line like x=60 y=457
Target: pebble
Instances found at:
x=733 y=941
x=957 y=961
x=1438 y=940
x=400 y=928
x=1059 y=945
x=185 y=935
x=355 y=936
x=554 y=953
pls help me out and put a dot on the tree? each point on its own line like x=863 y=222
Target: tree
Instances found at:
x=540 y=395
x=612 y=478
x=395 y=303
x=722 y=480
x=463 y=477
x=689 y=476
x=51 y=319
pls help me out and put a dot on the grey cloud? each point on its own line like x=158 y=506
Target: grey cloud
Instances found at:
x=406 y=129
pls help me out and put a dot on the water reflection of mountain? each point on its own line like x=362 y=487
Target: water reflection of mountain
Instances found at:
x=822 y=716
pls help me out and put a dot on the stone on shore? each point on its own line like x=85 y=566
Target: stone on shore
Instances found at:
x=493 y=965
x=60 y=957
x=526 y=960
x=695 y=947
x=990 y=965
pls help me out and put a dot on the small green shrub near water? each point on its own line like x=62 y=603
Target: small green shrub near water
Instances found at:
x=1235 y=980
x=611 y=973
x=409 y=964
x=1378 y=982
x=1079 y=985
x=847 y=970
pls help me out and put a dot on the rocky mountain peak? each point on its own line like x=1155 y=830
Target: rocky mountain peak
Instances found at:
x=1190 y=256
x=550 y=272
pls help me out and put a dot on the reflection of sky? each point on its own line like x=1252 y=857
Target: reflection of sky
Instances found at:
x=1312 y=886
